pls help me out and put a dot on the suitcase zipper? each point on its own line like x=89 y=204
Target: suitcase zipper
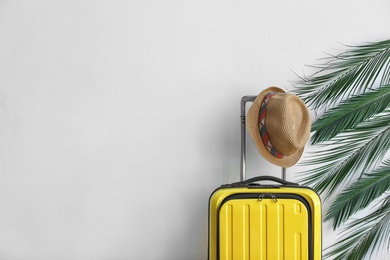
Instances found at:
x=267 y=195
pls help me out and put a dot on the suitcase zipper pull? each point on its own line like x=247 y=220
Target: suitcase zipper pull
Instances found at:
x=267 y=195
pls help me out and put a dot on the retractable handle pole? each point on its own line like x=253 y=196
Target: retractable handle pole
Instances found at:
x=244 y=100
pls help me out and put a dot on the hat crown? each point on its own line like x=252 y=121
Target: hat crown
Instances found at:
x=288 y=123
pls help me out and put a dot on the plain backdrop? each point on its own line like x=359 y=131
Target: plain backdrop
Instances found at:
x=119 y=118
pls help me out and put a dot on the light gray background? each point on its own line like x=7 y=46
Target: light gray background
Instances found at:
x=119 y=118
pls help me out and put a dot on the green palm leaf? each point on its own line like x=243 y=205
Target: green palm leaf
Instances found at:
x=361 y=236
x=350 y=113
x=350 y=93
x=349 y=74
x=359 y=195
x=349 y=153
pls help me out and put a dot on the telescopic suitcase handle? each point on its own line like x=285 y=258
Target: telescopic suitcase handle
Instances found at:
x=244 y=100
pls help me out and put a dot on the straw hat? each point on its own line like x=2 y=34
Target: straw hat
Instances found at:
x=279 y=124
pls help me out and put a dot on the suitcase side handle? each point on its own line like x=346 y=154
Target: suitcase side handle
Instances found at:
x=264 y=178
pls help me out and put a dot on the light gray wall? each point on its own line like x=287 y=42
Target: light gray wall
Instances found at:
x=119 y=118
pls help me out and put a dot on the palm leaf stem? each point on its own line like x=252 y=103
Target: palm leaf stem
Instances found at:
x=350 y=113
x=359 y=195
x=355 y=152
x=362 y=235
x=345 y=75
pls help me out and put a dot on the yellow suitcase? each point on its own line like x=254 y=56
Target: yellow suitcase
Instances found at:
x=264 y=222
x=248 y=220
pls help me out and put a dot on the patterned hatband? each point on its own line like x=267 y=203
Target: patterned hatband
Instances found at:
x=262 y=126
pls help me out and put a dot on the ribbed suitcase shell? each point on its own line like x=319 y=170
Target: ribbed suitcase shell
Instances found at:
x=264 y=223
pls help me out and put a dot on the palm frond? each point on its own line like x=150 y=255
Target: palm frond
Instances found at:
x=359 y=195
x=350 y=93
x=349 y=153
x=362 y=235
x=348 y=74
x=350 y=113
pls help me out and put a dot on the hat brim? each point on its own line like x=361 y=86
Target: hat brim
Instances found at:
x=252 y=122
